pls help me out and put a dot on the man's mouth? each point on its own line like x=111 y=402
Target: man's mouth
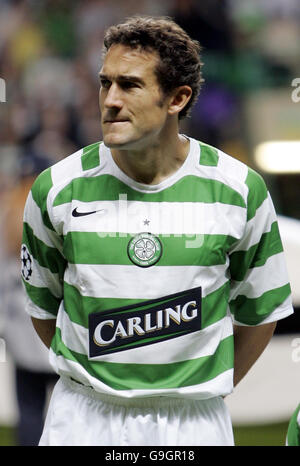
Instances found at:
x=116 y=120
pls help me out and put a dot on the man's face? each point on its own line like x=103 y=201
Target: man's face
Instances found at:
x=133 y=110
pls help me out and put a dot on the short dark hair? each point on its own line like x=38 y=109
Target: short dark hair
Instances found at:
x=179 y=63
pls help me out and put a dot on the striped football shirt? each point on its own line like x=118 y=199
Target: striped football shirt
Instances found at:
x=146 y=281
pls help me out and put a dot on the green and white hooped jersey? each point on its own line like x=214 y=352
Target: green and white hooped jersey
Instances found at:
x=145 y=281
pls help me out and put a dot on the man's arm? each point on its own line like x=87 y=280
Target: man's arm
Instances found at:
x=45 y=329
x=41 y=251
x=249 y=343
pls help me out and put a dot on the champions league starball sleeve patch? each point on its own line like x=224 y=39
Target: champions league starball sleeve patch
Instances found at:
x=147 y=323
x=26 y=263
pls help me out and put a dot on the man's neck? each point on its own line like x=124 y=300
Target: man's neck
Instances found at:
x=154 y=164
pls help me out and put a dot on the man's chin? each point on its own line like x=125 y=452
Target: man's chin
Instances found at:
x=118 y=143
x=112 y=144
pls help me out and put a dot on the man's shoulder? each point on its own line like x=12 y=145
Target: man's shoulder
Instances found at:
x=212 y=156
x=76 y=164
x=229 y=167
x=72 y=166
x=62 y=172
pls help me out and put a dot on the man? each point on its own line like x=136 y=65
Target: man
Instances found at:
x=141 y=253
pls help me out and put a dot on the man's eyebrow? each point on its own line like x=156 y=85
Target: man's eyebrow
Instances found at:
x=123 y=77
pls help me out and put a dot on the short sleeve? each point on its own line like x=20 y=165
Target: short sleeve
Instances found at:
x=260 y=288
x=42 y=259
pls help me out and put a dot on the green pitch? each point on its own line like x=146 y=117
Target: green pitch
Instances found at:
x=261 y=435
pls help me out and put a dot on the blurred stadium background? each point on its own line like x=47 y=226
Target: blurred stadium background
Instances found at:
x=50 y=53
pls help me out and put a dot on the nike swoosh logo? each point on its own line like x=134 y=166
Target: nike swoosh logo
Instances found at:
x=75 y=212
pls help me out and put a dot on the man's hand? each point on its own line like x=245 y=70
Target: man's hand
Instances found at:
x=45 y=329
x=249 y=343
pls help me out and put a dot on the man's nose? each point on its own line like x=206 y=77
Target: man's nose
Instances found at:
x=113 y=97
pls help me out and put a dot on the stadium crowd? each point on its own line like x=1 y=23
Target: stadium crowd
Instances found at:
x=50 y=55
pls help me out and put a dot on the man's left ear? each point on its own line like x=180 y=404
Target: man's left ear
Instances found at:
x=180 y=98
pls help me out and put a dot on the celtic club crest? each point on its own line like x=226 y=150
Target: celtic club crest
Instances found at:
x=144 y=249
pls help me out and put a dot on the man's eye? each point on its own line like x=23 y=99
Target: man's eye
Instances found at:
x=104 y=83
x=128 y=85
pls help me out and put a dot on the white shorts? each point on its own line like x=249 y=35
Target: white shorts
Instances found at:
x=79 y=416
